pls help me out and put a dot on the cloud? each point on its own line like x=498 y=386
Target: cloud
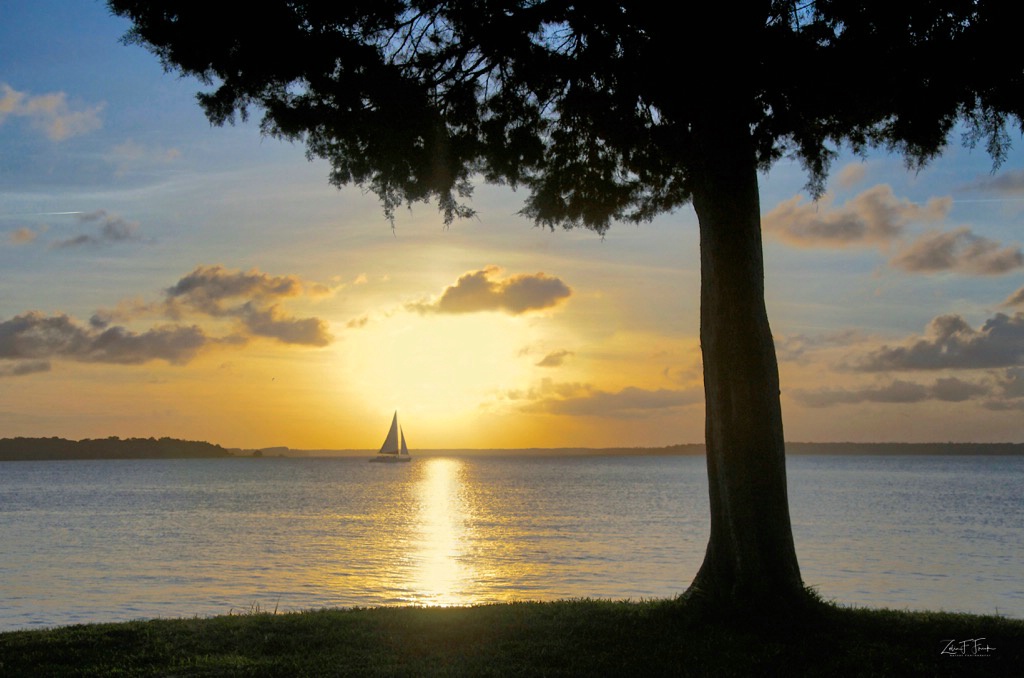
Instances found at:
x=1011 y=384
x=273 y=323
x=1006 y=183
x=874 y=217
x=246 y=298
x=481 y=290
x=34 y=336
x=582 y=400
x=21 y=236
x=948 y=389
x=960 y=251
x=895 y=392
x=1015 y=299
x=112 y=229
x=126 y=310
x=554 y=359
x=795 y=347
x=629 y=403
x=49 y=113
x=851 y=175
x=207 y=288
x=251 y=298
x=24 y=367
x=951 y=343
x=132 y=156
x=1004 y=405
x=953 y=390
x=549 y=389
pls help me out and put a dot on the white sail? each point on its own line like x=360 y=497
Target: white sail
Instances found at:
x=390 y=445
x=394 y=448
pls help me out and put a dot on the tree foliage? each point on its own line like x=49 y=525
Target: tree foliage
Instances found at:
x=594 y=107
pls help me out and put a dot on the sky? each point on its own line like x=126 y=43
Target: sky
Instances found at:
x=163 y=277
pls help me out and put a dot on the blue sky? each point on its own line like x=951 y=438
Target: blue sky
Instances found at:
x=164 y=277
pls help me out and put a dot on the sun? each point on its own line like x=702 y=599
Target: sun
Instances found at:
x=435 y=370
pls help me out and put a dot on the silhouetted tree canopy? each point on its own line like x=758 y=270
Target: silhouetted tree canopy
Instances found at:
x=608 y=111
x=592 y=106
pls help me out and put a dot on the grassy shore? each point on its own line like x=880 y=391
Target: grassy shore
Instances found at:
x=569 y=638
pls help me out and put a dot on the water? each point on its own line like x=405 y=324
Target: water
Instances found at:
x=90 y=541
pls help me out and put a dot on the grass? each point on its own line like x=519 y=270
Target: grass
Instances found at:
x=568 y=638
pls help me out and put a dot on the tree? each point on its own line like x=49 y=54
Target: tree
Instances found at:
x=623 y=110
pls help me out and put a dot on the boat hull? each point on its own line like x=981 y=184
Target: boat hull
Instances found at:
x=389 y=459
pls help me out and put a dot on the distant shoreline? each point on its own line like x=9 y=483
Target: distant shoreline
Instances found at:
x=59 y=449
x=697 y=449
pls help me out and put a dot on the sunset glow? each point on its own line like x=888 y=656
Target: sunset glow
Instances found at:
x=162 y=277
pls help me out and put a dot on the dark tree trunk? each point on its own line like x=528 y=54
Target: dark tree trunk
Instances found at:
x=750 y=559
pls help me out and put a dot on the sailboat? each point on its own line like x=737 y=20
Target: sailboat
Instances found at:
x=392 y=450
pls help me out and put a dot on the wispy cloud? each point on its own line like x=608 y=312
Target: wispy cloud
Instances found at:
x=49 y=113
x=948 y=389
x=872 y=218
x=796 y=347
x=111 y=228
x=484 y=290
x=951 y=343
x=132 y=156
x=583 y=400
x=959 y=251
x=1006 y=183
x=554 y=359
x=995 y=391
x=851 y=174
x=21 y=368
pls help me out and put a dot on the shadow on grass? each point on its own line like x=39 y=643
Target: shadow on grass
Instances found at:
x=566 y=638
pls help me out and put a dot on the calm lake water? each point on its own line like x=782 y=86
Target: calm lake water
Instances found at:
x=90 y=541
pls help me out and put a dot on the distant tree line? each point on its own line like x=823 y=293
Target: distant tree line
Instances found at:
x=889 y=449
x=841 y=448
x=27 y=449
x=973 y=449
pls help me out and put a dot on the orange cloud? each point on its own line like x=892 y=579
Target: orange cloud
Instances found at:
x=50 y=113
x=482 y=290
x=21 y=236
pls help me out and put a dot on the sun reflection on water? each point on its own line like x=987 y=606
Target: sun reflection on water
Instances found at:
x=443 y=573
